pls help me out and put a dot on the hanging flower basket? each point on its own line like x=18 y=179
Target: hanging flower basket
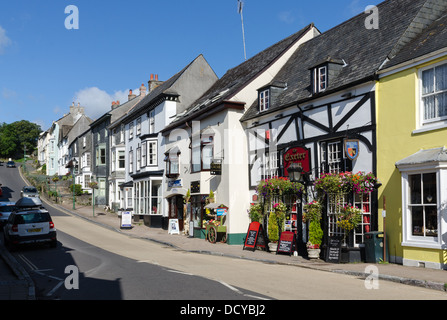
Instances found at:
x=349 y=218
x=278 y=186
x=346 y=182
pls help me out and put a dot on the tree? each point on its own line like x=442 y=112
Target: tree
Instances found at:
x=16 y=136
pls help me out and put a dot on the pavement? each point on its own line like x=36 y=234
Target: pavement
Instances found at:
x=16 y=284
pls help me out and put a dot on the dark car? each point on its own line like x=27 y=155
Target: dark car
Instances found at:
x=10 y=164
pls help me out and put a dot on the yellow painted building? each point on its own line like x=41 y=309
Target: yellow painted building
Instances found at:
x=412 y=159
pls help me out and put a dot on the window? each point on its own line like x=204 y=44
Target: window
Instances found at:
x=152 y=153
x=331 y=156
x=434 y=93
x=101 y=156
x=138 y=159
x=172 y=163
x=87 y=180
x=143 y=154
x=202 y=151
x=264 y=100
x=270 y=165
x=121 y=159
x=423 y=204
x=131 y=130
x=319 y=79
x=151 y=121
x=131 y=161
x=138 y=126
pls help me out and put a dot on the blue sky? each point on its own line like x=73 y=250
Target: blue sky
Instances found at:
x=44 y=67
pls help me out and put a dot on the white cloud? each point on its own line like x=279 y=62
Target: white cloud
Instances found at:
x=287 y=17
x=97 y=102
x=4 y=40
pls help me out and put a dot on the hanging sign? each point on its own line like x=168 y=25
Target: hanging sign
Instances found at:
x=255 y=237
x=352 y=148
x=298 y=155
x=216 y=167
x=286 y=242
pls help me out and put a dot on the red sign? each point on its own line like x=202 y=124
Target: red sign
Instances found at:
x=286 y=242
x=255 y=237
x=298 y=155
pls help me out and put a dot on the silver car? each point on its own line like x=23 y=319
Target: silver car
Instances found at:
x=30 y=192
x=5 y=210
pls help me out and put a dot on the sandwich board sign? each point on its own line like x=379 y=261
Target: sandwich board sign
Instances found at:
x=126 y=219
x=173 y=226
x=255 y=237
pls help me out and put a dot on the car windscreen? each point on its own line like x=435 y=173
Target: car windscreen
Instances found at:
x=30 y=189
x=32 y=217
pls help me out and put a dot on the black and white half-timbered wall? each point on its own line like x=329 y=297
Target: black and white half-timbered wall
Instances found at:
x=320 y=111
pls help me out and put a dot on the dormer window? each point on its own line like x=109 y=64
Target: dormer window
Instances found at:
x=264 y=100
x=319 y=79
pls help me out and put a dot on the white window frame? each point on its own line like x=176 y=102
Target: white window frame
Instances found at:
x=151 y=121
x=438 y=120
x=264 y=100
x=320 y=85
x=152 y=146
x=408 y=239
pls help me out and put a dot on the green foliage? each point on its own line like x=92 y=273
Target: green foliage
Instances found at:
x=256 y=213
x=273 y=230
x=16 y=136
x=77 y=188
x=315 y=232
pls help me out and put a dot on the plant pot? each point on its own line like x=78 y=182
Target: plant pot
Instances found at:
x=313 y=253
x=273 y=246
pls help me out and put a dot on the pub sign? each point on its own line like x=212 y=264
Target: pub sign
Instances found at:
x=298 y=155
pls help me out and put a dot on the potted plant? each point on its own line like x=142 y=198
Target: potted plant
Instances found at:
x=312 y=214
x=256 y=213
x=210 y=198
x=276 y=220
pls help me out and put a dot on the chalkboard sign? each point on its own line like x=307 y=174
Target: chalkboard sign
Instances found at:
x=286 y=242
x=333 y=251
x=255 y=237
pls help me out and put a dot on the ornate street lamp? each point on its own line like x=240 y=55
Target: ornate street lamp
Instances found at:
x=295 y=172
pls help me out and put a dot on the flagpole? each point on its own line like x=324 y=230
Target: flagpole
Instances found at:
x=241 y=6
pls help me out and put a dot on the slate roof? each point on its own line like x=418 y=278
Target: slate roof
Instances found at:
x=362 y=50
x=425 y=156
x=432 y=39
x=238 y=77
x=152 y=97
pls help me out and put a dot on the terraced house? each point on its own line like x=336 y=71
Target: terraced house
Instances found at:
x=412 y=135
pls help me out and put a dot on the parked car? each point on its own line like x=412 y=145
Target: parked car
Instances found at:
x=29 y=191
x=6 y=208
x=10 y=164
x=30 y=223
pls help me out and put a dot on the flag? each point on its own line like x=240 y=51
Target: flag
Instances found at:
x=240 y=5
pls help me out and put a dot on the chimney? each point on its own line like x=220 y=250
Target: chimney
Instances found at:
x=131 y=95
x=142 y=90
x=154 y=82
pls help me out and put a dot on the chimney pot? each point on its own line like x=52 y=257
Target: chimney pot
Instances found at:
x=152 y=76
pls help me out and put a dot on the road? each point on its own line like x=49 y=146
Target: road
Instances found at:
x=107 y=265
